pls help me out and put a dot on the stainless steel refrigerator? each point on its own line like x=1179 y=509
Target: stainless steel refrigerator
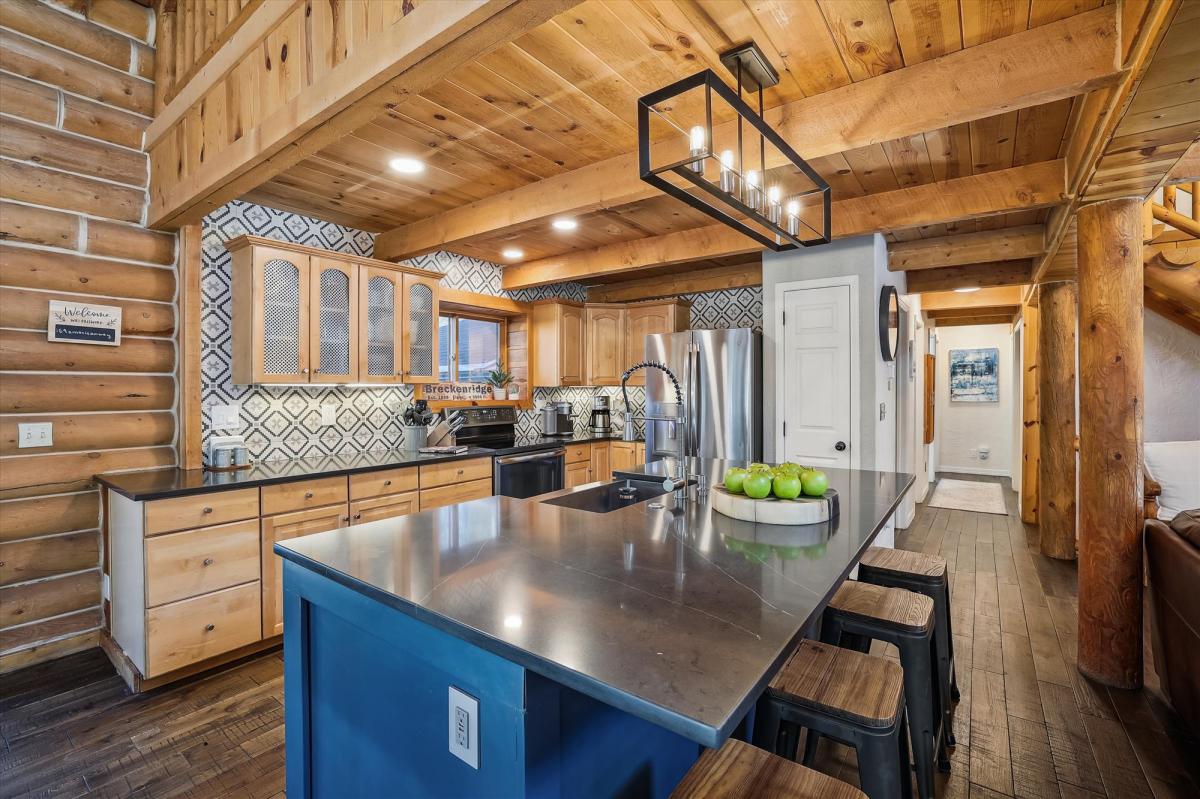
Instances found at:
x=720 y=372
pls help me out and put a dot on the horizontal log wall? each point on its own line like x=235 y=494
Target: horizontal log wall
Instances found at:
x=75 y=99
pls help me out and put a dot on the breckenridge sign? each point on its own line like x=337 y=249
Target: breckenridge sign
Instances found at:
x=81 y=323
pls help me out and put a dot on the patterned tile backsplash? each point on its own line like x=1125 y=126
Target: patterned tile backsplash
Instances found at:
x=282 y=422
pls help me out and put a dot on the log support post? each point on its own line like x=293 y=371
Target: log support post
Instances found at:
x=1056 y=422
x=1110 y=442
x=1030 y=427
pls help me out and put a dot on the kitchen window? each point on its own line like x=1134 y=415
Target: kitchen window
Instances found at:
x=468 y=348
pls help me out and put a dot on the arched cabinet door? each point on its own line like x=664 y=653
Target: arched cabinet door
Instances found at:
x=333 y=321
x=420 y=323
x=271 y=340
x=380 y=354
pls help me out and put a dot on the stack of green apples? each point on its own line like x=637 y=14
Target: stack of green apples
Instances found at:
x=785 y=481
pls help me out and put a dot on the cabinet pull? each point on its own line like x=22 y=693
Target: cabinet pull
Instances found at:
x=207 y=562
x=206 y=510
x=358 y=515
x=345 y=518
x=304 y=371
x=308 y=495
x=208 y=628
x=460 y=472
x=387 y=482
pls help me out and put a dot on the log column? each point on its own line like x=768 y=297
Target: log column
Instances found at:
x=1030 y=429
x=1110 y=442
x=1056 y=422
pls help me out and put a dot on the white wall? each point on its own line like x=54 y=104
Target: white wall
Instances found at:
x=966 y=426
x=1172 y=380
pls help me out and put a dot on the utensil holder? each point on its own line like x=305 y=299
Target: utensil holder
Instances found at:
x=415 y=437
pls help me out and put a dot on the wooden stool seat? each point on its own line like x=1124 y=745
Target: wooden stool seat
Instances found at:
x=739 y=770
x=864 y=689
x=906 y=609
x=901 y=561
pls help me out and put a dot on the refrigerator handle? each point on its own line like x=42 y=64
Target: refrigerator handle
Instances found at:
x=694 y=400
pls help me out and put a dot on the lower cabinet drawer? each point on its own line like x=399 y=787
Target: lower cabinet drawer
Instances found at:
x=183 y=633
x=578 y=452
x=372 y=510
x=303 y=495
x=383 y=483
x=200 y=510
x=454 y=494
x=455 y=472
x=187 y=564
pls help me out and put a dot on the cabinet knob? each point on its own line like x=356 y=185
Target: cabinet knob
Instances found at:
x=387 y=482
x=304 y=371
x=460 y=472
x=207 y=510
x=315 y=371
x=207 y=562
x=358 y=515
x=308 y=495
x=208 y=628
x=345 y=518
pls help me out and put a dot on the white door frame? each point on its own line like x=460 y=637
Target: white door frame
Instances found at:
x=781 y=289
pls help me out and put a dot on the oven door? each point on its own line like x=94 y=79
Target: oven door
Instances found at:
x=530 y=474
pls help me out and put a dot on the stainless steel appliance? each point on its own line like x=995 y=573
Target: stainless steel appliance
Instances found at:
x=558 y=419
x=520 y=468
x=720 y=374
x=601 y=423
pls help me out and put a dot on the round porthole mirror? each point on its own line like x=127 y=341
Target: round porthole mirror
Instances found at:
x=889 y=322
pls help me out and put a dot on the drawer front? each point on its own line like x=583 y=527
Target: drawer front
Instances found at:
x=186 y=632
x=579 y=452
x=303 y=495
x=444 y=474
x=454 y=494
x=200 y=510
x=182 y=565
x=381 y=484
x=372 y=510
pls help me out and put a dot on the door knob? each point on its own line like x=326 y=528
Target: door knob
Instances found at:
x=840 y=446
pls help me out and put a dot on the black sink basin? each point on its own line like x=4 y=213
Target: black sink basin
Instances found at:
x=610 y=496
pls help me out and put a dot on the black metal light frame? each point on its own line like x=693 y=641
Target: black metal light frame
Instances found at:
x=711 y=83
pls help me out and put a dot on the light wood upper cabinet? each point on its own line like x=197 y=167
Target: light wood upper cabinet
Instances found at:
x=270 y=332
x=381 y=331
x=420 y=329
x=645 y=320
x=557 y=337
x=333 y=323
x=605 y=333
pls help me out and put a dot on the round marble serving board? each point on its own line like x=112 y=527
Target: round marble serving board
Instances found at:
x=772 y=510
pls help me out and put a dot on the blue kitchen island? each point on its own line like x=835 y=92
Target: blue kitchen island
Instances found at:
x=602 y=650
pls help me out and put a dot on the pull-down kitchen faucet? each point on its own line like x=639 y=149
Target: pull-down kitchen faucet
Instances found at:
x=681 y=418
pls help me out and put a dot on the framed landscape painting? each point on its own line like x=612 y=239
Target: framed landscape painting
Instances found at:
x=975 y=375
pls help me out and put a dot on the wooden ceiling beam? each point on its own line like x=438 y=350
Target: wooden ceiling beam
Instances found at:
x=998 y=273
x=1047 y=63
x=953 y=300
x=1020 y=188
x=692 y=282
x=1000 y=319
x=969 y=313
x=1004 y=244
x=1187 y=168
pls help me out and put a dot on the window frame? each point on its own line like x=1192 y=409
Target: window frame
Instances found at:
x=452 y=344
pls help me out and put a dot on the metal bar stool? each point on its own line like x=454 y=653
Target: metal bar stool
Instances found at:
x=854 y=698
x=905 y=619
x=738 y=770
x=925 y=574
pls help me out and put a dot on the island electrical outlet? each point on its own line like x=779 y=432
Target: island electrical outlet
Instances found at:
x=464 y=727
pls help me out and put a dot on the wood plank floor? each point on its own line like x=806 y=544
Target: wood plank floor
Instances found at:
x=1028 y=725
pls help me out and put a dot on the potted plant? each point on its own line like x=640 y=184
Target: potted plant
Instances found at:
x=499 y=380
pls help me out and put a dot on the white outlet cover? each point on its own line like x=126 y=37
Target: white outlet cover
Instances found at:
x=225 y=417
x=37 y=434
x=464 y=727
x=328 y=415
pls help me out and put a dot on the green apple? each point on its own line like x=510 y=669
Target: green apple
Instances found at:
x=759 y=467
x=786 y=486
x=791 y=468
x=757 y=485
x=814 y=483
x=734 y=479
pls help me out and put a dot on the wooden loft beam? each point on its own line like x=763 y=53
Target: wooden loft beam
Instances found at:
x=1020 y=188
x=1049 y=62
x=972 y=313
x=996 y=319
x=947 y=300
x=997 y=273
x=198 y=166
x=967 y=248
x=1187 y=168
x=694 y=281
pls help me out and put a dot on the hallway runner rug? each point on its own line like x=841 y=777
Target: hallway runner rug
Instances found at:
x=969 y=495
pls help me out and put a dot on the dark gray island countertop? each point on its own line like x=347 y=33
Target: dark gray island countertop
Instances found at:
x=676 y=614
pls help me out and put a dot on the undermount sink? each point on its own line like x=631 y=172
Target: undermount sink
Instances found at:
x=610 y=496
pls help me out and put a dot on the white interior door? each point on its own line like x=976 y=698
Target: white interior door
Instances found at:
x=817 y=373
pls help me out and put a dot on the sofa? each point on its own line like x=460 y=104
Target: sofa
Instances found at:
x=1173 y=562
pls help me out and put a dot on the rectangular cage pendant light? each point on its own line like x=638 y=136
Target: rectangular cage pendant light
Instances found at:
x=700 y=142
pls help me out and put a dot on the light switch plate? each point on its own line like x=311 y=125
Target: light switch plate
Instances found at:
x=225 y=417
x=464 y=727
x=328 y=415
x=39 y=434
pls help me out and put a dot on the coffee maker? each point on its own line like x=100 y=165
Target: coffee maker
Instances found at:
x=601 y=424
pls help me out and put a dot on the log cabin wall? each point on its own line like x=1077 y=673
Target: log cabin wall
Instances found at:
x=76 y=95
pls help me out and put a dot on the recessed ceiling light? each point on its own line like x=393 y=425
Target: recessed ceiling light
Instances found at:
x=407 y=166
x=968 y=290
x=564 y=223
x=512 y=253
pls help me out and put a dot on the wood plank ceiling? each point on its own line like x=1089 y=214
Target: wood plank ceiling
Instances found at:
x=564 y=96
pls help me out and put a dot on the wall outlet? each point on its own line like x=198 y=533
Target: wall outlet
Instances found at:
x=225 y=417
x=40 y=434
x=464 y=727
x=328 y=415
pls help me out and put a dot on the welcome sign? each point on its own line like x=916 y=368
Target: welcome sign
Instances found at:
x=80 y=323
